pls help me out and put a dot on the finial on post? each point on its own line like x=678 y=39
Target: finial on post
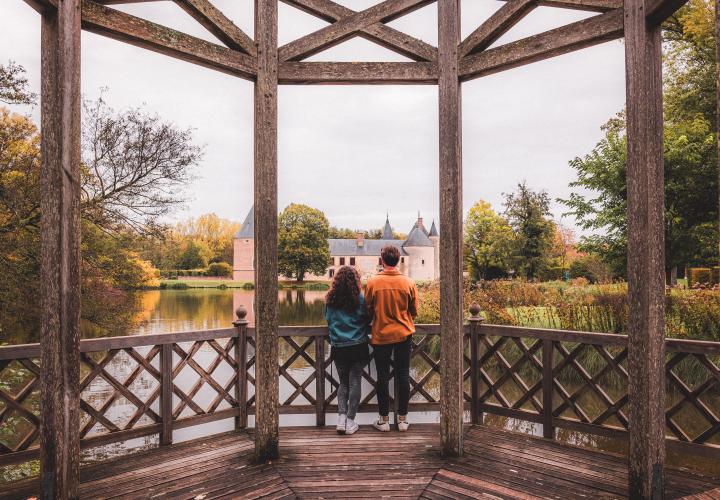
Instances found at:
x=240 y=313
x=475 y=312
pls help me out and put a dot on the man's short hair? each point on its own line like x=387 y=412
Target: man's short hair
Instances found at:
x=390 y=255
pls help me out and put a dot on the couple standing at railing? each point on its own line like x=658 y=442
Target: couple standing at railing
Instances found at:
x=383 y=317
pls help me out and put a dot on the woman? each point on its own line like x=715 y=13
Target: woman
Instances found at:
x=348 y=325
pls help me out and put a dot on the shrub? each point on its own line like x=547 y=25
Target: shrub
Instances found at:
x=592 y=268
x=699 y=276
x=317 y=286
x=219 y=269
x=248 y=286
x=552 y=273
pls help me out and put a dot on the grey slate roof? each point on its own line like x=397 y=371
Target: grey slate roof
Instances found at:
x=247 y=230
x=433 y=230
x=417 y=238
x=349 y=247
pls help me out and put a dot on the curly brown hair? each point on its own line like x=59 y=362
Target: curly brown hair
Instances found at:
x=345 y=291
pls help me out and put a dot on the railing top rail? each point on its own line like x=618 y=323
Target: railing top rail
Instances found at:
x=128 y=341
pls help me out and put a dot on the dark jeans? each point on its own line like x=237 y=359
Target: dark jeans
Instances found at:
x=401 y=358
x=350 y=362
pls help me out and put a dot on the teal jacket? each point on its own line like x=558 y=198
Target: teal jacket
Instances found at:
x=346 y=328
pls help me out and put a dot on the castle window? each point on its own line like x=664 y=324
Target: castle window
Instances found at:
x=423 y=262
x=331 y=272
x=402 y=260
x=342 y=261
x=379 y=261
x=352 y=261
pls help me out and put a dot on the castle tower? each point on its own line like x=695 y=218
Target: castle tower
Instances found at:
x=243 y=250
x=435 y=238
x=387 y=230
x=420 y=250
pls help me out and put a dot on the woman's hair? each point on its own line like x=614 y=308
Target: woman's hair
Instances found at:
x=345 y=291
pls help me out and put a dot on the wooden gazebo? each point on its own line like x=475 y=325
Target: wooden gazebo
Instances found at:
x=268 y=65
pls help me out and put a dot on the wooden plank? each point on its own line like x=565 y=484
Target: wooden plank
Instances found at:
x=379 y=33
x=575 y=36
x=320 y=381
x=363 y=73
x=342 y=30
x=646 y=258
x=118 y=25
x=266 y=230
x=495 y=26
x=451 y=214
x=547 y=389
x=60 y=252
x=218 y=24
x=586 y=5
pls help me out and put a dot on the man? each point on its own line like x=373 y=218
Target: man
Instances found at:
x=391 y=299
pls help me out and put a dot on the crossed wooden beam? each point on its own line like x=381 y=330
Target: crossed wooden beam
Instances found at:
x=238 y=54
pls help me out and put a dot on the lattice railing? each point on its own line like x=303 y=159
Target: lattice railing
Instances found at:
x=150 y=385
x=579 y=381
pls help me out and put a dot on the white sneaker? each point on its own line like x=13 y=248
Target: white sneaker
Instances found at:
x=341 y=423
x=351 y=426
x=403 y=425
x=381 y=425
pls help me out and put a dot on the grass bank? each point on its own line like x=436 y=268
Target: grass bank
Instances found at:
x=183 y=284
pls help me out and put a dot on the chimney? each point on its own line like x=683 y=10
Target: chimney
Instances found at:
x=360 y=239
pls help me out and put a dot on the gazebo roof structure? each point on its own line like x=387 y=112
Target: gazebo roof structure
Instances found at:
x=267 y=64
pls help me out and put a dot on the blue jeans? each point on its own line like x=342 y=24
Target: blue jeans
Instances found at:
x=350 y=362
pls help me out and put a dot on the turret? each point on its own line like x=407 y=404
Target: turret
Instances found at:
x=387 y=230
x=435 y=238
x=243 y=249
x=420 y=250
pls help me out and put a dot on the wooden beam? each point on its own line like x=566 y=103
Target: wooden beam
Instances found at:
x=60 y=252
x=379 y=33
x=659 y=10
x=369 y=73
x=575 y=36
x=266 y=232
x=148 y=35
x=451 y=224
x=646 y=259
x=496 y=26
x=218 y=24
x=340 y=31
x=586 y=5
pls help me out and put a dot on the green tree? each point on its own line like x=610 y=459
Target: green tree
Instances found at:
x=195 y=255
x=528 y=214
x=302 y=241
x=690 y=155
x=488 y=242
x=14 y=85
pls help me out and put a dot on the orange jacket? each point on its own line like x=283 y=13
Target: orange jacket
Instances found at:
x=392 y=301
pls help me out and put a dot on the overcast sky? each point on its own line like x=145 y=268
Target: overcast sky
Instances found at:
x=355 y=151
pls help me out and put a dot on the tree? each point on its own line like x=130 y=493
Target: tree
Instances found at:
x=14 y=85
x=195 y=255
x=528 y=214
x=302 y=241
x=488 y=242
x=690 y=154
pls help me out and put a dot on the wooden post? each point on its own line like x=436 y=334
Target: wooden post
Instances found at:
x=60 y=252
x=320 y=381
x=166 y=392
x=475 y=322
x=646 y=260
x=241 y=360
x=266 y=226
x=717 y=109
x=547 y=389
x=451 y=296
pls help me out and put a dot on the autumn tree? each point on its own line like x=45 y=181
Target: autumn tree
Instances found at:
x=302 y=242
x=488 y=242
x=14 y=88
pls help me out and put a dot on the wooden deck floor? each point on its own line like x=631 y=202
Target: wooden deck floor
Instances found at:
x=318 y=463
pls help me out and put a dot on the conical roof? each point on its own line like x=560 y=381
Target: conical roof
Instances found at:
x=417 y=238
x=247 y=230
x=433 y=230
x=387 y=230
